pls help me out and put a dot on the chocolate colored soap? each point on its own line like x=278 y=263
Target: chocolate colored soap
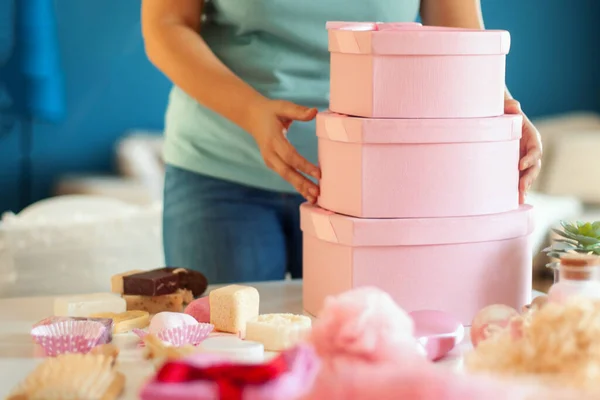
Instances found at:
x=189 y=279
x=157 y=282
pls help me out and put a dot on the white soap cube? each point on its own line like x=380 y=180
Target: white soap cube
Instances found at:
x=232 y=306
x=278 y=332
x=88 y=304
x=234 y=349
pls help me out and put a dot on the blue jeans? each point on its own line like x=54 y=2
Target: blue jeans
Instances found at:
x=228 y=231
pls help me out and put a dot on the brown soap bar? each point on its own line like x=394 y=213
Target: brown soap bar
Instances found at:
x=116 y=281
x=187 y=295
x=155 y=304
x=157 y=282
x=189 y=279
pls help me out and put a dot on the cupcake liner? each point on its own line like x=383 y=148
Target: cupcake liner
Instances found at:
x=107 y=322
x=182 y=335
x=68 y=336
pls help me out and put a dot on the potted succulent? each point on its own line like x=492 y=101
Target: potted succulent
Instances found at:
x=579 y=237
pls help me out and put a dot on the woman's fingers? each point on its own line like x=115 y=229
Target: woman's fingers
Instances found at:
x=512 y=106
x=532 y=157
x=291 y=157
x=528 y=176
x=532 y=166
x=305 y=187
x=279 y=154
x=290 y=111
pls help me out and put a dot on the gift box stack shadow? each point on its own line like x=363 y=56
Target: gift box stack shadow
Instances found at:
x=419 y=166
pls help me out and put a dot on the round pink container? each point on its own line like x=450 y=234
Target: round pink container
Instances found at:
x=412 y=71
x=455 y=265
x=406 y=168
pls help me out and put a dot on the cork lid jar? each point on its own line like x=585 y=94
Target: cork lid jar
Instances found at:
x=579 y=267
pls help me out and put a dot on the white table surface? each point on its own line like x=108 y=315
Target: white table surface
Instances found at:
x=19 y=356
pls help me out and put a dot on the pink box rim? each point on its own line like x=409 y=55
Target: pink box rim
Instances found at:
x=356 y=232
x=347 y=129
x=414 y=39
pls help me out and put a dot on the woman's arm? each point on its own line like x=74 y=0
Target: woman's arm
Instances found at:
x=452 y=13
x=173 y=44
x=467 y=14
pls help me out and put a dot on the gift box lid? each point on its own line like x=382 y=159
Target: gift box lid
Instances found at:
x=343 y=128
x=351 y=231
x=414 y=39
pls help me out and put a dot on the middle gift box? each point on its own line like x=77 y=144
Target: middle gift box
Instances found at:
x=418 y=168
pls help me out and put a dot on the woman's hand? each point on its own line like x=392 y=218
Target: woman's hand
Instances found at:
x=268 y=123
x=531 y=150
x=173 y=45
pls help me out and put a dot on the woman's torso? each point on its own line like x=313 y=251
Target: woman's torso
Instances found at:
x=280 y=48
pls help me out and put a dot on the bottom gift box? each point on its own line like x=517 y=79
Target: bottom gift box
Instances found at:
x=454 y=264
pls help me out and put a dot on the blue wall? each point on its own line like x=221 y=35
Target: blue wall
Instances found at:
x=554 y=61
x=553 y=67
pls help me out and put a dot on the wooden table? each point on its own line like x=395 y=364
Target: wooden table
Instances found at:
x=18 y=352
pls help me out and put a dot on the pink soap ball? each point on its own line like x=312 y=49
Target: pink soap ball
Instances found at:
x=491 y=320
x=169 y=320
x=199 y=309
x=364 y=323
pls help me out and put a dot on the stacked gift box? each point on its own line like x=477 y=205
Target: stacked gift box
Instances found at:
x=419 y=164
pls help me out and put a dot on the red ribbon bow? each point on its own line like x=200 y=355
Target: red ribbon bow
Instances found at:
x=230 y=378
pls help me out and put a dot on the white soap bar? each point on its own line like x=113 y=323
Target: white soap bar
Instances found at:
x=232 y=306
x=278 y=332
x=88 y=304
x=234 y=349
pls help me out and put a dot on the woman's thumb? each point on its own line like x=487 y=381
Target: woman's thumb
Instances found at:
x=512 y=107
x=288 y=110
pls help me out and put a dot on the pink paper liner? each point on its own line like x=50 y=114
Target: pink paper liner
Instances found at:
x=182 y=335
x=68 y=336
x=107 y=322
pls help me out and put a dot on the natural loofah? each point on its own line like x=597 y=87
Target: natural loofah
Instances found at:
x=558 y=343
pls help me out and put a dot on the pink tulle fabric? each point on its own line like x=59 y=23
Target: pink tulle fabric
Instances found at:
x=365 y=324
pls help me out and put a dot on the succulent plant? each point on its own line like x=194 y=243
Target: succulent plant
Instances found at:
x=580 y=237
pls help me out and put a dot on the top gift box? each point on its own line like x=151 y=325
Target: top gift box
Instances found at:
x=406 y=70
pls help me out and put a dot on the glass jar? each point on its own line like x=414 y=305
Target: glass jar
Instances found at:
x=555 y=268
x=578 y=275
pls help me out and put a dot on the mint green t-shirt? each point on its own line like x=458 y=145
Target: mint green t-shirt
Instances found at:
x=279 y=47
